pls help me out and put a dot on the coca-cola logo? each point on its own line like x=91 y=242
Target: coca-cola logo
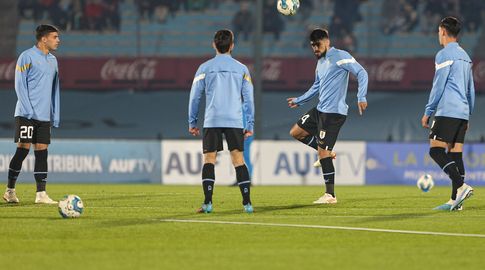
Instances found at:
x=139 y=69
x=7 y=71
x=271 y=69
x=386 y=71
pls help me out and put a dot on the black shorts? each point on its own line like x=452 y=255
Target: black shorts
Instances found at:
x=309 y=122
x=32 y=131
x=212 y=139
x=328 y=126
x=324 y=126
x=448 y=129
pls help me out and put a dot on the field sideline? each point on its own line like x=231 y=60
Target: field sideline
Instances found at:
x=155 y=227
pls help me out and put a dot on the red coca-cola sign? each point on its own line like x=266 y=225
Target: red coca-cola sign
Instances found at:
x=7 y=70
x=136 y=69
x=170 y=73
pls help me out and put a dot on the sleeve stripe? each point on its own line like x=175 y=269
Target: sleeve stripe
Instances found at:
x=247 y=78
x=346 y=61
x=198 y=78
x=23 y=68
x=444 y=64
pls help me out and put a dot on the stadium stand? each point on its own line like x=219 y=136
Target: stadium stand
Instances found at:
x=175 y=29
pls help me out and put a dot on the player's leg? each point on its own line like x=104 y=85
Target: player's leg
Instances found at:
x=211 y=144
x=23 y=137
x=41 y=140
x=329 y=127
x=443 y=133
x=235 y=143
x=461 y=190
x=305 y=128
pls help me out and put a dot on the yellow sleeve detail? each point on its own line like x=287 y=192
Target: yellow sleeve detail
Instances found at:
x=247 y=78
x=23 y=68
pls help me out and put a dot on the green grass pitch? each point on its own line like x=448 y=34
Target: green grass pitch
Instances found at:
x=123 y=227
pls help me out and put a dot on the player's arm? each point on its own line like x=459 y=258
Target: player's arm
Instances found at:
x=442 y=70
x=248 y=103
x=56 y=102
x=22 y=86
x=351 y=65
x=198 y=86
x=312 y=92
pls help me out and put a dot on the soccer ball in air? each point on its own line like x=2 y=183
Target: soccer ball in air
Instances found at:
x=425 y=182
x=288 y=7
x=71 y=206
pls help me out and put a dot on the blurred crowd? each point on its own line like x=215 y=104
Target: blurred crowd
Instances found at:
x=94 y=15
x=404 y=16
x=399 y=16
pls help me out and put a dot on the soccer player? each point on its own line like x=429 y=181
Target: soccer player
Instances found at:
x=324 y=121
x=37 y=88
x=451 y=101
x=228 y=91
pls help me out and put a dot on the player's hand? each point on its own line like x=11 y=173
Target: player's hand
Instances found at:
x=291 y=102
x=248 y=134
x=194 y=131
x=362 y=106
x=333 y=155
x=425 y=121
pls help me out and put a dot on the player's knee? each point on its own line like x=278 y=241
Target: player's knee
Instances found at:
x=322 y=153
x=436 y=152
x=23 y=145
x=297 y=133
x=237 y=158
x=210 y=158
x=41 y=146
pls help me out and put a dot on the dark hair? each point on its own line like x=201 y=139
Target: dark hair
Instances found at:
x=318 y=34
x=452 y=26
x=223 y=40
x=44 y=30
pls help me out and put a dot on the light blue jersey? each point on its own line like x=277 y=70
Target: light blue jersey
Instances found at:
x=453 y=92
x=228 y=93
x=37 y=86
x=332 y=81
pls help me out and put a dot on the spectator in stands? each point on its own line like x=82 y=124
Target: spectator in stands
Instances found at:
x=405 y=20
x=272 y=21
x=60 y=13
x=243 y=22
x=197 y=4
x=27 y=8
x=112 y=14
x=306 y=8
x=145 y=9
x=93 y=13
x=471 y=10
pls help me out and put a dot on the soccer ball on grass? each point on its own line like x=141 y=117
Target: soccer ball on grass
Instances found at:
x=288 y=7
x=425 y=183
x=71 y=206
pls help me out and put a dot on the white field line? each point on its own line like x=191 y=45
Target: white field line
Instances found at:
x=322 y=227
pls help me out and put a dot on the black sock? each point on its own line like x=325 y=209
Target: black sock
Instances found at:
x=311 y=141
x=328 y=171
x=208 y=179
x=244 y=182
x=449 y=166
x=457 y=157
x=16 y=166
x=40 y=169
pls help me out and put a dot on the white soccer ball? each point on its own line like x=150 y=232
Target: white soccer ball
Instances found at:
x=71 y=206
x=425 y=183
x=288 y=7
